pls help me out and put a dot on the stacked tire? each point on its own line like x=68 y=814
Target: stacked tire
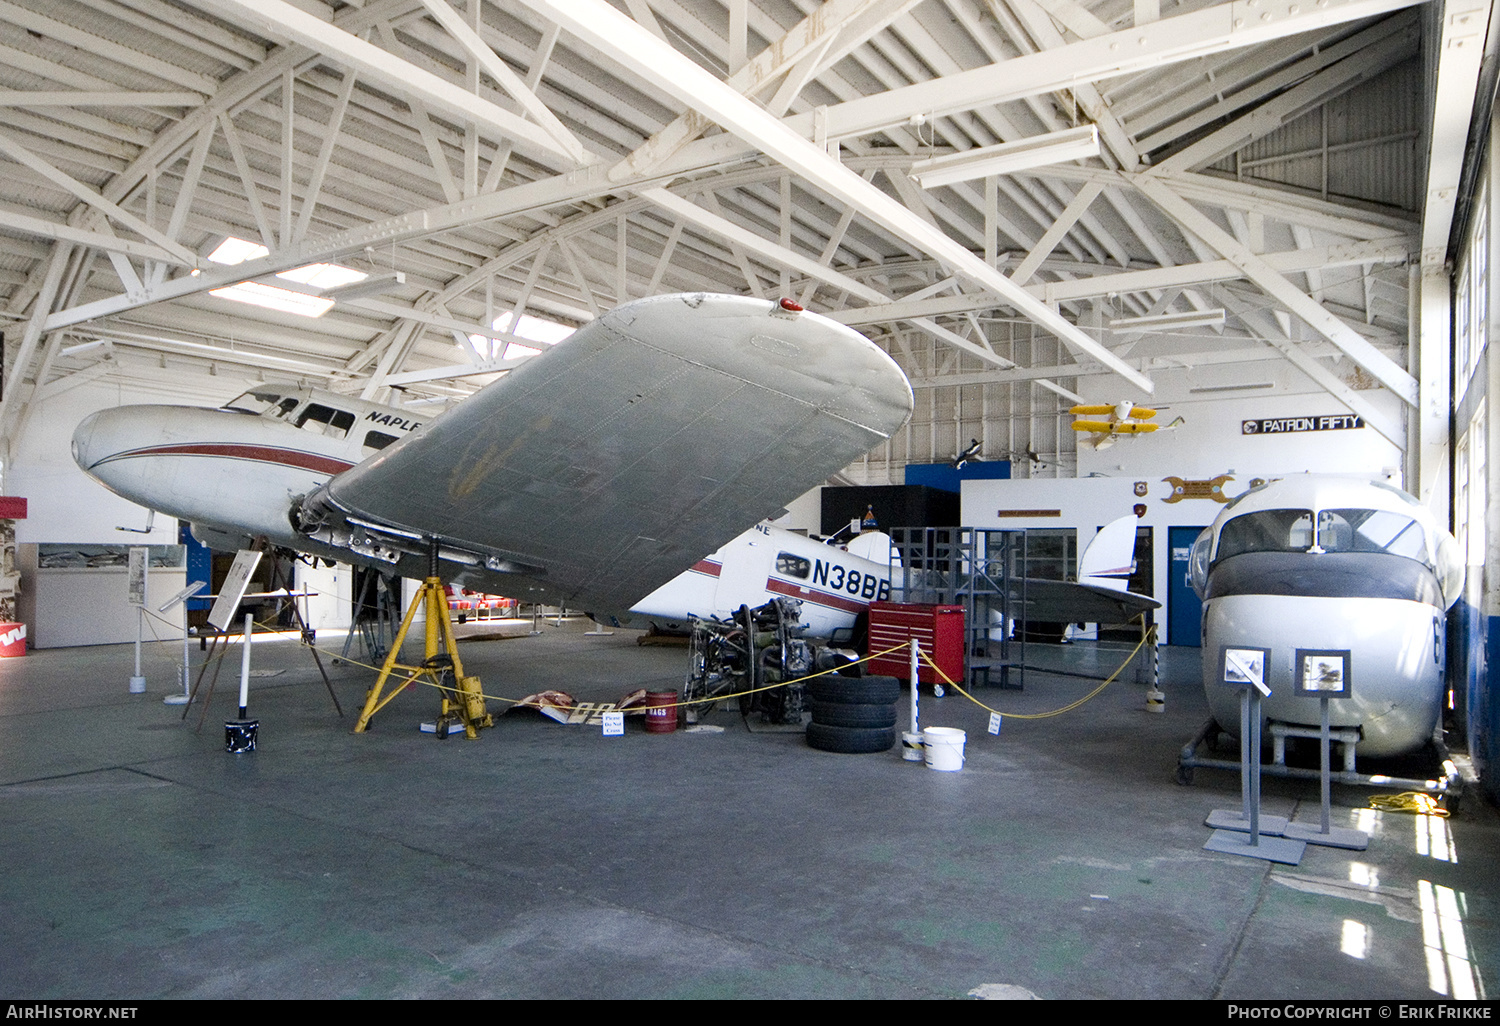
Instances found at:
x=853 y=715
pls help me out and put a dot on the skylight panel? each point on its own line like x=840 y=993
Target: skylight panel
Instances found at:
x=320 y=276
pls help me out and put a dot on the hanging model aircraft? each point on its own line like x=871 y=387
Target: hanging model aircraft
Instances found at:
x=1318 y=564
x=590 y=476
x=1123 y=418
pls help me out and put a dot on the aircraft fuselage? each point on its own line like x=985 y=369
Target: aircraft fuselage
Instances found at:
x=1326 y=564
x=238 y=472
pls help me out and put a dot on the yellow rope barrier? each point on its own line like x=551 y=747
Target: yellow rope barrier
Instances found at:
x=414 y=678
x=1037 y=716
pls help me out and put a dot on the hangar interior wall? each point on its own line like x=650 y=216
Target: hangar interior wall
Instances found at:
x=1475 y=621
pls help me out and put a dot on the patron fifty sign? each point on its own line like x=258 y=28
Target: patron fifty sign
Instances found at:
x=1282 y=425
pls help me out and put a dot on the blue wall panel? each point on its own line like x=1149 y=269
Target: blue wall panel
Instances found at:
x=946 y=477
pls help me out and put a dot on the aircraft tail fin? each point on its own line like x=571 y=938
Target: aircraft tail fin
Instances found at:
x=876 y=547
x=1110 y=557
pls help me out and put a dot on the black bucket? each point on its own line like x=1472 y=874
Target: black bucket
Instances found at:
x=239 y=735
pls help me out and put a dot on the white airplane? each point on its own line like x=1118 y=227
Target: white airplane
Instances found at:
x=1331 y=564
x=837 y=583
x=834 y=583
x=590 y=476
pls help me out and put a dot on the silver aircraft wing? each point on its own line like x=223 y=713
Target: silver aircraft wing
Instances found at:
x=610 y=463
x=1074 y=602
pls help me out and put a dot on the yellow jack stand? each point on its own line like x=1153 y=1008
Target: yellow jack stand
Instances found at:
x=465 y=702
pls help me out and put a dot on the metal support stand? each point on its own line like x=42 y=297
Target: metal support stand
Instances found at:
x=1326 y=835
x=187 y=686
x=1241 y=833
x=307 y=634
x=461 y=703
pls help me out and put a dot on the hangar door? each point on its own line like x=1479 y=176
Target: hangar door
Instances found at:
x=1184 y=608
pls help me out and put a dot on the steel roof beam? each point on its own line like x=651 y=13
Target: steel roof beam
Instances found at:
x=625 y=41
x=1180 y=276
x=1385 y=370
x=1224 y=26
x=280 y=20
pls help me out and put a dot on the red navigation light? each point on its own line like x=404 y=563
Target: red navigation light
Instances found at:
x=791 y=306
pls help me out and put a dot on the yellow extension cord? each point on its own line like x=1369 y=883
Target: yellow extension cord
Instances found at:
x=1413 y=802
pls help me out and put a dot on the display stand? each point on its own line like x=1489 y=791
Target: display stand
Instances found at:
x=136 y=584
x=1324 y=675
x=1246 y=832
x=187 y=684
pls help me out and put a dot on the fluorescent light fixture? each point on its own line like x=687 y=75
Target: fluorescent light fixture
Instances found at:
x=1007 y=158
x=1168 y=322
x=361 y=287
x=1234 y=388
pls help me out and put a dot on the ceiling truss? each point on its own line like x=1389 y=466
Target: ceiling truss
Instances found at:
x=559 y=158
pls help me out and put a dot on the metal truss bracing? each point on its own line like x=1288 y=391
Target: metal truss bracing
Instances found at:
x=487 y=159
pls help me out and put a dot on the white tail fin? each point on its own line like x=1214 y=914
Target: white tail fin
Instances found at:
x=1110 y=557
x=875 y=546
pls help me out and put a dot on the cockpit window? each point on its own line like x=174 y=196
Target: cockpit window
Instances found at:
x=325 y=420
x=1269 y=530
x=377 y=440
x=257 y=401
x=789 y=565
x=1371 y=530
x=1338 y=530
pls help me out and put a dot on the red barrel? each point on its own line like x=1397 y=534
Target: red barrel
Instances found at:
x=12 y=639
x=661 y=712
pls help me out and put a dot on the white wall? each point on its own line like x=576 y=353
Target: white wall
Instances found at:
x=330 y=608
x=1211 y=442
x=804 y=513
x=1085 y=504
x=63 y=503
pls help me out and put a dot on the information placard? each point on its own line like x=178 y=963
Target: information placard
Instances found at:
x=233 y=591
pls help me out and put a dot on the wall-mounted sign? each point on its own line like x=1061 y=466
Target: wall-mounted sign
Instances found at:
x=1283 y=425
x=1210 y=489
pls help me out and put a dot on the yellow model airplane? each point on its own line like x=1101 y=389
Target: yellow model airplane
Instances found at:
x=1124 y=418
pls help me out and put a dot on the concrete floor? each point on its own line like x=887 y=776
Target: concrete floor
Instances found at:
x=143 y=861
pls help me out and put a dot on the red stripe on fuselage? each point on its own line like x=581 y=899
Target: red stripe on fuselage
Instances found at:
x=236 y=451
x=706 y=566
x=821 y=598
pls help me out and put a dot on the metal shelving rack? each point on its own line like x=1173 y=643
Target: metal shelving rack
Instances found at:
x=981 y=569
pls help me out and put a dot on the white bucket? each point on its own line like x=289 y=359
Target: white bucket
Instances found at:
x=945 y=748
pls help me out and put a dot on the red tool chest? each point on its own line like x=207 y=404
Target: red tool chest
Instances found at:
x=939 y=631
